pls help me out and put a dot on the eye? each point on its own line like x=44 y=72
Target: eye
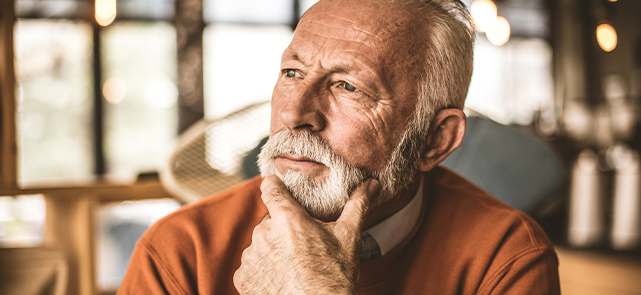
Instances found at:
x=290 y=73
x=349 y=87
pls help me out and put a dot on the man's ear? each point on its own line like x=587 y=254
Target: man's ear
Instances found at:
x=446 y=134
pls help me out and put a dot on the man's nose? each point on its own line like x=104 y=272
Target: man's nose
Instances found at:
x=302 y=110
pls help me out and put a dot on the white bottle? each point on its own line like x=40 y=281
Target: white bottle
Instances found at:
x=626 y=218
x=586 y=224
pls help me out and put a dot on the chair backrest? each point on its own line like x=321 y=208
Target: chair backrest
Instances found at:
x=209 y=155
x=516 y=167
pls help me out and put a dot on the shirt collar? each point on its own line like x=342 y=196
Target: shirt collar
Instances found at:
x=391 y=231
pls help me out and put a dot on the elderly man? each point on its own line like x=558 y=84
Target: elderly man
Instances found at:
x=367 y=103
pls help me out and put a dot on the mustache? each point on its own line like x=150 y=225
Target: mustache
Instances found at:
x=305 y=144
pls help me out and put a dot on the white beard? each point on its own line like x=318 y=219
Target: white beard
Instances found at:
x=325 y=199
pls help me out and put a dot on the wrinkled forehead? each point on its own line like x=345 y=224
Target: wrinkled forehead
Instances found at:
x=378 y=24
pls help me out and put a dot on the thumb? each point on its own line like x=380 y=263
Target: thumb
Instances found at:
x=356 y=208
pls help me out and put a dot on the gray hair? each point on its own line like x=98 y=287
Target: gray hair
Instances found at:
x=448 y=60
x=449 y=53
x=448 y=70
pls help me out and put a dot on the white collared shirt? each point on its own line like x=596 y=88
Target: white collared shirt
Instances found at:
x=391 y=231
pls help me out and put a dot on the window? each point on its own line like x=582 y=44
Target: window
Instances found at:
x=53 y=70
x=512 y=83
x=119 y=227
x=236 y=74
x=140 y=90
x=82 y=115
x=21 y=220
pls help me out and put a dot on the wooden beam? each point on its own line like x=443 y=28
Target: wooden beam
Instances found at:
x=70 y=226
x=8 y=147
x=105 y=193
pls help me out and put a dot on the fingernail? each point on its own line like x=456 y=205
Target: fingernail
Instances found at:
x=372 y=187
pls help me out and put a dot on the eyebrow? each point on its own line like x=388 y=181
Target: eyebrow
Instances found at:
x=296 y=57
x=343 y=69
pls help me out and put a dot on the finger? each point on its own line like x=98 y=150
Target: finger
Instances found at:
x=277 y=198
x=358 y=204
x=240 y=279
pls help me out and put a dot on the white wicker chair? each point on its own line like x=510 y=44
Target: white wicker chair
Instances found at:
x=209 y=155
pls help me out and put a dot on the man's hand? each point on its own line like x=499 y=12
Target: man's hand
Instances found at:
x=292 y=253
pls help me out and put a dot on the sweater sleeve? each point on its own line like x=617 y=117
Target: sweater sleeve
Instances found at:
x=532 y=272
x=147 y=274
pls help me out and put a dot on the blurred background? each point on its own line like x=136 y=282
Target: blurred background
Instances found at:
x=117 y=112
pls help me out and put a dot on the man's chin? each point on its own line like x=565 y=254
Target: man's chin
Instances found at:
x=319 y=198
x=324 y=216
x=318 y=213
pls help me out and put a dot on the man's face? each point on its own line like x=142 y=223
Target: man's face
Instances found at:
x=350 y=79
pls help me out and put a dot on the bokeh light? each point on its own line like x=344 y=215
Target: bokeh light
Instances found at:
x=484 y=14
x=105 y=12
x=607 y=37
x=161 y=93
x=499 y=34
x=114 y=90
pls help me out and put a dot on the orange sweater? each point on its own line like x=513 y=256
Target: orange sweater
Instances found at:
x=465 y=242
